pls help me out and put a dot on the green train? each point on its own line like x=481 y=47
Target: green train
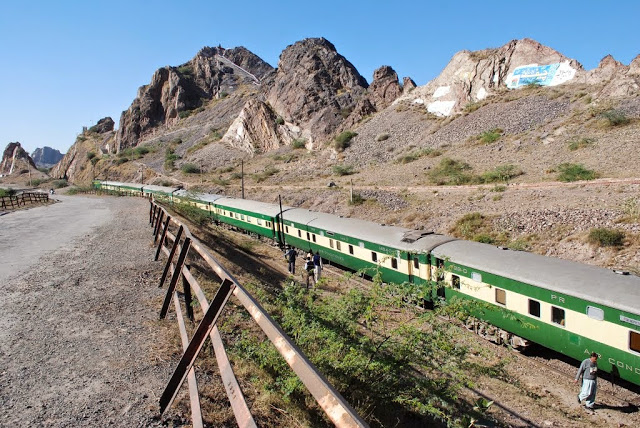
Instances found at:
x=572 y=308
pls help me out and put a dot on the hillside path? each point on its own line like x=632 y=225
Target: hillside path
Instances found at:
x=77 y=315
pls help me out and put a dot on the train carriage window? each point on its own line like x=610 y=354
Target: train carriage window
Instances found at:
x=534 y=308
x=286 y=229
x=634 y=341
x=350 y=249
x=501 y=296
x=595 y=313
x=440 y=269
x=242 y=217
x=338 y=246
x=299 y=234
x=313 y=237
x=374 y=256
x=557 y=315
x=249 y=219
x=394 y=263
x=268 y=224
x=259 y=222
x=308 y=237
x=455 y=282
x=416 y=263
x=331 y=243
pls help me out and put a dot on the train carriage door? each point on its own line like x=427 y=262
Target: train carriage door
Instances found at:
x=414 y=268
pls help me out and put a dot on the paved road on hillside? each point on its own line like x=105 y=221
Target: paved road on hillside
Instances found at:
x=27 y=235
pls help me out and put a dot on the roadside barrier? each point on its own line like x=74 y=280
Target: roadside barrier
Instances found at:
x=181 y=241
x=17 y=201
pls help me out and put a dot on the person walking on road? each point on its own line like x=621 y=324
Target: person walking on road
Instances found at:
x=589 y=372
x=290 y=256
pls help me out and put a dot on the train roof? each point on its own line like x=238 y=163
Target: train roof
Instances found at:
x=201 y=197
x=390 y=236
x=154 y=188
x=121 y=184
x=591 y=283
x=264 y=208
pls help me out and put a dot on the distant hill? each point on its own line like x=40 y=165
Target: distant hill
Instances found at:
x=46 y=157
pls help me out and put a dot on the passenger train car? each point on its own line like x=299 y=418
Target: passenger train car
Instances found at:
x=569 y=307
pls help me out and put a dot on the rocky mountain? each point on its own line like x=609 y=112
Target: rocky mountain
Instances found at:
x=15 y=159
x=46 y=157
x=174 y=92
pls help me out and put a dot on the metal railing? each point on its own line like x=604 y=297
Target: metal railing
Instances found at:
x=16 y=201
x=182 y=242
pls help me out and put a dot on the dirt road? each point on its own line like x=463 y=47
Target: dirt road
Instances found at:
x=77 y=315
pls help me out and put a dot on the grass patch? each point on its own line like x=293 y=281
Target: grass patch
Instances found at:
x=190 y=168
x=91 y=155
x=631 y=209
x=501 y=173
x=299 y=143
x=120 y=161
x=170 y=157
x=604 y=237
x=342 y=169
x=59 y=184
x=568 y=172
x=7 y=192
x=194 y=214
x=357 y=199
x=580 y=143
x=279 y=120
x=269 y=171
x=490 y=136
x=451 y=172
x=417 y=154
x=471 y=107
x=612 y=118
x=343 y=140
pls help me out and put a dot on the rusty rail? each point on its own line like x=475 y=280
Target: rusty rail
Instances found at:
x=16 y=201
x=330 y=400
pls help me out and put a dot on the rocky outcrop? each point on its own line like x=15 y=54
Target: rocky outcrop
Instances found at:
x=212 y=73
x=384 y=88
x=472 y=76
x=258 y=129
x=14 y=159
x=314 y=87
x=103 y=126
x=618 y=79
x=46 y=157
x=408 y=85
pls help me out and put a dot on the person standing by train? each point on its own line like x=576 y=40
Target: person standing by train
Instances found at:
x=308 y=267
x=290 y=256
x=589 y=372
x=317 y=266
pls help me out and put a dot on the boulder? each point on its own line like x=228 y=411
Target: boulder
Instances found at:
x=103 y=126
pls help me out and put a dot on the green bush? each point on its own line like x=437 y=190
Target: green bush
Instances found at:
x=574 y=172
x=343 y=140
x=169 y=159
x=140 y=151
x=91 y=155
x=59 y=184
x=501 y=173
x=279 y=120
x=189 y=168
x=184 y=114
x=581 y=143
x=7 y=192
x=120 y=161
x=268 y=172
x=94 y=161
x=341 y=170
x=357 y=199
x=451 y=172
x=606 y=237
x=614 y=118
x=299 y=143
x=490 y=136
x=417 y=154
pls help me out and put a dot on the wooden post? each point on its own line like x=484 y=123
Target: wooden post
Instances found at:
x=174 y=278
x=176 y=243
x=164 y=236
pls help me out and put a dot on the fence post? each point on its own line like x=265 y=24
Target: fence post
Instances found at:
x=186 y=288
x=164 y=236
x=176 y=242
x=158 y=224
x=195 y=345
x=174 y=278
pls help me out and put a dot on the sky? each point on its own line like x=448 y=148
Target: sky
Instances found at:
x=67 y=64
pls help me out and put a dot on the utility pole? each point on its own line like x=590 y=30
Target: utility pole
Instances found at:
x=242 y=176
x=351 y=191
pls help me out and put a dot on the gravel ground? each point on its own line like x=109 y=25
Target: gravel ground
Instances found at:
x=77 y=328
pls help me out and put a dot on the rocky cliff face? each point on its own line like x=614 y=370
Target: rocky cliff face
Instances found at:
x=472 y=76
x=14 y=159
x=314 y=87
x=212 y=73
x=618 y=79
x=46 y=157
x=384 y=88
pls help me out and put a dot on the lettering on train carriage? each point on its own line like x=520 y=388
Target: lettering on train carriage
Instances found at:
x=559 y=299
x=455 y=268
x=623 y=366
x=629 y=320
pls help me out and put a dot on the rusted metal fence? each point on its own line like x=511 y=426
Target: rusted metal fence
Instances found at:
x=184 y=243
x=16 y=201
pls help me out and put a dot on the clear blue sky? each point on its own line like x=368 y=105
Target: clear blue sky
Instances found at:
x=66 y=64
